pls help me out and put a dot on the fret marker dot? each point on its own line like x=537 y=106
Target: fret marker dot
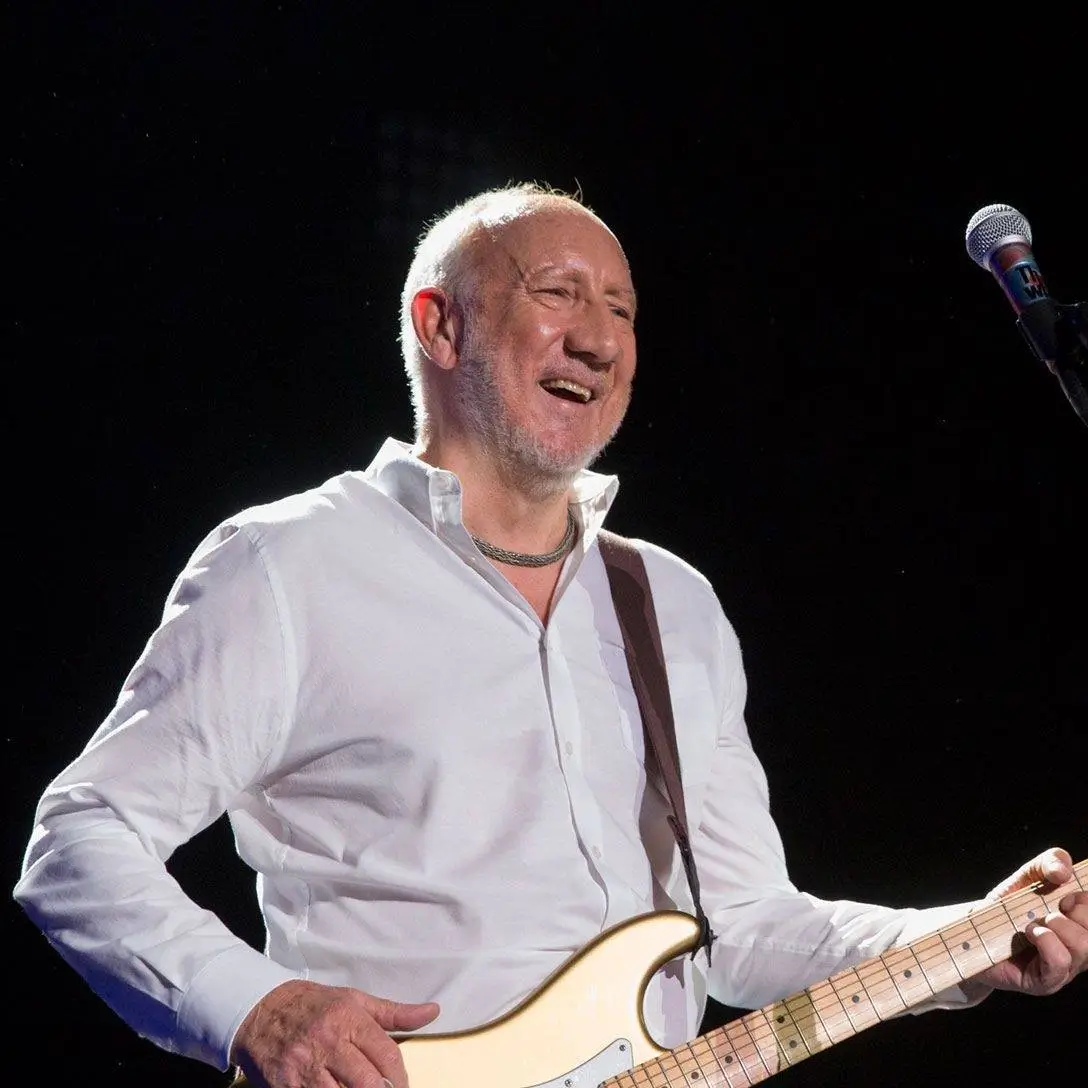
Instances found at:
x=907 y=973
x=966 y=944
x=855 y=999
x=729 y=1059
x=793 y=1043
x=1031 y=914
x=780 y=1019
x=694 y=1076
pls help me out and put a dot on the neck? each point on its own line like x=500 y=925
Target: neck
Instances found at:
x=519 y=515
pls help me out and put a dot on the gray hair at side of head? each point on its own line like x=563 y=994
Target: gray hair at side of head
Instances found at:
x=444 y=259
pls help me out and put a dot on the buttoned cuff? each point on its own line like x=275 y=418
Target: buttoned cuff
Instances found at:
x=220 y=998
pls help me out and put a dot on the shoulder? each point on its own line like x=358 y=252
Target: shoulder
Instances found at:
x=684 y=598
x=672 y=573
x=674 y=578
x=294 y=530
x=305 y=515
x=340 y=495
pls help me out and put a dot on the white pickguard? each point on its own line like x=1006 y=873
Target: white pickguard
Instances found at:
x=609 y=1062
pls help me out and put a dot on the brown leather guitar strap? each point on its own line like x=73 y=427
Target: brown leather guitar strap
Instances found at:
x=646 y=662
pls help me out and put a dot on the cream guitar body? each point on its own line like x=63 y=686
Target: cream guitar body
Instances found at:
x=583 y=1028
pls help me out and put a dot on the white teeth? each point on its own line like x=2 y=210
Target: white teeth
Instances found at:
x=579 y=391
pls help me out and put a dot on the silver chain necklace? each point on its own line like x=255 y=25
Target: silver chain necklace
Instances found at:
x=521 y=559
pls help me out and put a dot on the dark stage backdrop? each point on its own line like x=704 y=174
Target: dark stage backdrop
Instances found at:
x=209 y=214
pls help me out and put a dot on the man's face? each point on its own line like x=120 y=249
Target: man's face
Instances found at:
x=548 y=354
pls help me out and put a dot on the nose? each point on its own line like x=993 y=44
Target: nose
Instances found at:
x=592 y=337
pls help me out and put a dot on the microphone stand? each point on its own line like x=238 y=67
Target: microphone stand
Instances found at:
x=1058 y=336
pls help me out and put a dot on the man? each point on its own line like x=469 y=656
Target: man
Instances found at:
x=408 y=689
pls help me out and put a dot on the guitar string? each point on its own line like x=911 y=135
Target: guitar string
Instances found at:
x=989 y=917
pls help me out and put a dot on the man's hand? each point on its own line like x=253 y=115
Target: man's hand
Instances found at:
x=1060 y=940
x=305 y=1035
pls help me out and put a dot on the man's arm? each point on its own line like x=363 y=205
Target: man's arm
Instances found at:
x=193 y=727
x=774 y=940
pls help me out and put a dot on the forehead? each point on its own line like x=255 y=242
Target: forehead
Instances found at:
x=567 y=239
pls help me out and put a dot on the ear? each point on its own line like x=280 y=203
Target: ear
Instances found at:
x=435 y=326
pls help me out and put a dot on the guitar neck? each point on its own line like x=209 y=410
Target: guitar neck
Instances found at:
x=761 y=1043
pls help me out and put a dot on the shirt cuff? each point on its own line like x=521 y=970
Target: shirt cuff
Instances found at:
x=220 y=998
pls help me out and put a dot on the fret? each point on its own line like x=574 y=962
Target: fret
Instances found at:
x=770 y=1041
x=880 y=987
x=670 y=1066
x=1025 y=908
x=893 y=969
x=663 y=1073
x=749 y=1050
x=1002 y=923
x=796 y=1028
x=714 y=1073
x=729 y=1060
x=751 y=1054
x=966 y=948
x=763 y=1033
x=639 y=1077
x=1000 y=930
x=647 y=1075
x=697 y=1066
x=805 y=1012
x=832 y=1012
x=854 y=999
x=906 y=969
x=933 y=959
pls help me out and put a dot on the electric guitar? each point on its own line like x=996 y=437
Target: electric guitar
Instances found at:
x=583 y=1027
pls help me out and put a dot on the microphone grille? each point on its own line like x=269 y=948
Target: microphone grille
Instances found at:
x=992 y=226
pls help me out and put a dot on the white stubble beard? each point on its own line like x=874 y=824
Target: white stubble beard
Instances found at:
x=521 y=456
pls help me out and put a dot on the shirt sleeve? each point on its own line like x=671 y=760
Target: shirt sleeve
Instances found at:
x=773 y=939
x=195 y=722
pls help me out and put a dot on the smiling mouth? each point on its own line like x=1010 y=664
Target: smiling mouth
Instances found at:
x=567 y=390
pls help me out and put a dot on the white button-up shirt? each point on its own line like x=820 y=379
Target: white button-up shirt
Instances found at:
x=442 y=798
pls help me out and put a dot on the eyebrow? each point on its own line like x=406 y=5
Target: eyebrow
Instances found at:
x=628 y=294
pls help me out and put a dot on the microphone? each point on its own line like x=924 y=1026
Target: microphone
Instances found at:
x=998 y=239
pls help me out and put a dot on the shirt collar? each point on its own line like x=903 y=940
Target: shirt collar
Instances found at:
x=433 y=495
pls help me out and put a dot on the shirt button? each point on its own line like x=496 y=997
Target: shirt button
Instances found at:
x=597 y=852
x=569 y=748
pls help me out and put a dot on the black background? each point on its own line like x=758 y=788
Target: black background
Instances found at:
x=209 y=214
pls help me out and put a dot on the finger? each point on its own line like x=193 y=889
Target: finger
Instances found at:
x=1053 y=866
x=398 y=1016
x=1056 y=865
x=1053 y=963
x=1075 y=906
x=353 y=1067
x=1070 y=923
x=379 y=1052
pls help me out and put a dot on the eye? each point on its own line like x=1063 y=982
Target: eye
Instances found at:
x=623 y=312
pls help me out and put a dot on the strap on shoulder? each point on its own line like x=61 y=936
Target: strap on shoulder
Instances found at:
x=637 y=616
